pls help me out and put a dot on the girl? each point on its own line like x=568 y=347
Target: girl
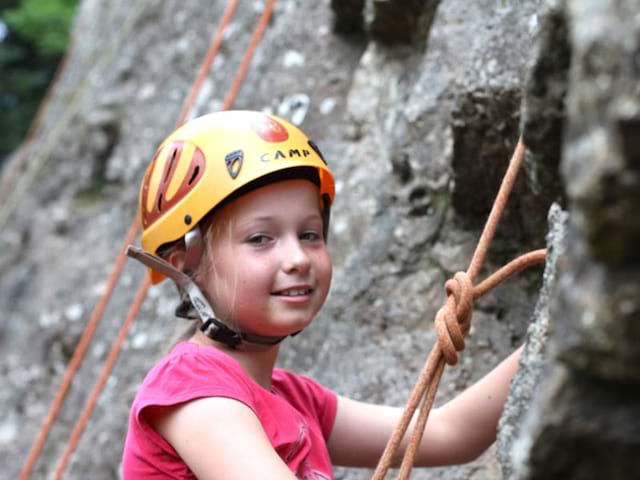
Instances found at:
x=235 y=209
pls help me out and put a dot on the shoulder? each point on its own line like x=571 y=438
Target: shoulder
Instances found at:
x=186 y=374
x=189 y=372
x=307 y=395
x=286 y=380
x=198 y=428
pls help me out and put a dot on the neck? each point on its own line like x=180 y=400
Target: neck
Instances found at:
x=258 y=365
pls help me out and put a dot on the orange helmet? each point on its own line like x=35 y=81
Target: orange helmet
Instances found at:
x=212 y=157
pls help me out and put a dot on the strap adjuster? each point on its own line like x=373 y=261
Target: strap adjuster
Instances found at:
x=218 y=331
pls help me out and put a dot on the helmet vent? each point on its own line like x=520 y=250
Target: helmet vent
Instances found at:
x=171 y=162
x=167 y=189
x=194 y=175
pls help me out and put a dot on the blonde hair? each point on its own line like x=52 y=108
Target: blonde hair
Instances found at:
x=212 y=229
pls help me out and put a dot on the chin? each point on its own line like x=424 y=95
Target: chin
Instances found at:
x=273 y=325
x=285 y=328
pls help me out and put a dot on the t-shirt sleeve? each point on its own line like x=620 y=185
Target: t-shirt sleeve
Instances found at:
x=187 y=376
x=322 y=401
x=326 y=406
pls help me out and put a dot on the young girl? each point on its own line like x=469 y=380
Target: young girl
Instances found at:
x=235 y=209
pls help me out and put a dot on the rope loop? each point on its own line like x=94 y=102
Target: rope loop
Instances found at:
x=453 y=320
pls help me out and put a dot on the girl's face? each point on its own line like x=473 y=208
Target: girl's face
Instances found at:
x=269 y=270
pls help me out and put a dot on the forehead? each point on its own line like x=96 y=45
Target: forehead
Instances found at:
x=285 y=197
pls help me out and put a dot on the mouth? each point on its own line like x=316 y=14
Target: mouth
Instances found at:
x=294 y=292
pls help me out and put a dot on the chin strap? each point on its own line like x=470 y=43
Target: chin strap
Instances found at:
x=194 y=305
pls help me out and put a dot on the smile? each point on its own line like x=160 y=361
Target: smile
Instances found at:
x=294 y=292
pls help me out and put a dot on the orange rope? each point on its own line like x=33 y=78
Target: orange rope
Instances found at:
x=78 y=356
x=205 y=67
x=453 y=322
x=248 y=55
x=104 y=376
x=498 y=207
x=515 y=266
x=98 y=311
x=144 y=286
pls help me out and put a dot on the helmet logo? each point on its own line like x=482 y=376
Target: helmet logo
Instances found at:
x=269 y=129
x=283 y=154
x=233 y=160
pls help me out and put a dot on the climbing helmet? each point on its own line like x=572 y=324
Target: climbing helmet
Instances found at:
x=216 y=157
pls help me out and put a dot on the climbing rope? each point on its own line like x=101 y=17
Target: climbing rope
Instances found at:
x=209 y=57
x=241 y=74
x=92 y=400
x=78 y=355
x=146 y=283
x=452 y=323
x=144 y=286
x=36 y=165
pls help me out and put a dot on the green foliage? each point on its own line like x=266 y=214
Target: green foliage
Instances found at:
x=43 y=23
x=38 y=35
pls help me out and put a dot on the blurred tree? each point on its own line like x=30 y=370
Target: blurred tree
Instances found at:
x=35 y=34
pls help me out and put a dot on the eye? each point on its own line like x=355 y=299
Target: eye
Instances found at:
x=311 y=236
x=258 y=239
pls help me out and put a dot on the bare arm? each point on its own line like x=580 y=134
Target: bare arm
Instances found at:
x=472 y=417
x=457 y=432
x=220 y=439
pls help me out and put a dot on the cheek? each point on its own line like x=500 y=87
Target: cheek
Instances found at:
x=222 y=282
x=324 y=266
x=257 y=271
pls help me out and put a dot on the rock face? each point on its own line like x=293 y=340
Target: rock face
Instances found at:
x=584 y=422
x=417 y=118
x=513 y=432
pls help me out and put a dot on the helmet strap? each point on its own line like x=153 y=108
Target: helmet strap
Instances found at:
x=193 y=250
x=195 y=305
x=326 y=215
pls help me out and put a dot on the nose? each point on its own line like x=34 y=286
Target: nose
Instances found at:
x=295 y=257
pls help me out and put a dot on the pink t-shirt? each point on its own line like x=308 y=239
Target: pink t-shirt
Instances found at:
x=297 y=414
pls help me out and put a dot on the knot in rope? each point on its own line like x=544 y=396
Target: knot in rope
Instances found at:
x=453 y=320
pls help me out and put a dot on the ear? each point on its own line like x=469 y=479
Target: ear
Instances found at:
x=176 y=259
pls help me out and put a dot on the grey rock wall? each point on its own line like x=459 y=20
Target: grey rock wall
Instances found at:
x=583 y=420
x=515 y=423
x=418 y=123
